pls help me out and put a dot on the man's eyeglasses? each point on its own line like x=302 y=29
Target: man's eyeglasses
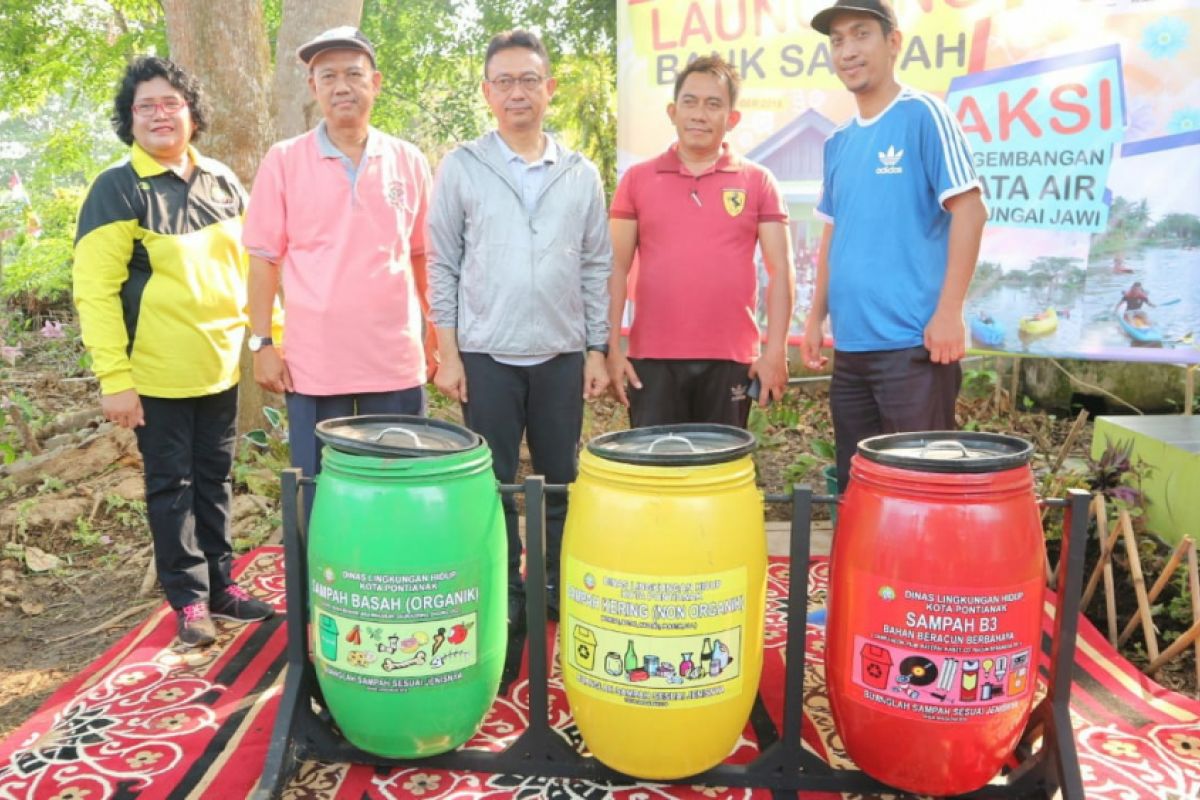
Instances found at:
x=529 y=82
x=169 y=106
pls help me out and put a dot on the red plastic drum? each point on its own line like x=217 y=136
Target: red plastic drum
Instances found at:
x=935 y=604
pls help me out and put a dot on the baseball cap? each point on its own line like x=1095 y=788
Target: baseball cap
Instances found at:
x=878 y=8
x=345 y=37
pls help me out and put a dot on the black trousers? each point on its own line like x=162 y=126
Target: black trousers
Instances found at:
x=889 y=391
x=543 y=403
x=187 y=447
x=689 y=390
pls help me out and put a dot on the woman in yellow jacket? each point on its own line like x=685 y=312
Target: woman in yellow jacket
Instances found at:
x=160 y=285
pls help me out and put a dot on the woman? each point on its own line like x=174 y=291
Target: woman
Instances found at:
x=160 y=280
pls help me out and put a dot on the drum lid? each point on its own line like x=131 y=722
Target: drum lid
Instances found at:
x=948 y=451
x=674 y=445
x=396 y=436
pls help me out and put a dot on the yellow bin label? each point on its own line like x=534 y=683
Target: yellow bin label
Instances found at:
x=654 y=640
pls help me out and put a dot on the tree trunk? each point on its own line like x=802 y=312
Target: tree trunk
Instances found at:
x=295 y=110
x=225 y=46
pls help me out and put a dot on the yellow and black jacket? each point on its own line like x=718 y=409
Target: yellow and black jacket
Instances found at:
x=160 y=277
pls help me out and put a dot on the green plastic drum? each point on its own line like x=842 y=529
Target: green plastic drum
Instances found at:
x=406 y=567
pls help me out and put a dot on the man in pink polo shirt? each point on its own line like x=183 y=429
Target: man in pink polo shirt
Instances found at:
x=694 y=216
x=338 y=214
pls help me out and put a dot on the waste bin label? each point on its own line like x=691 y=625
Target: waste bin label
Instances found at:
x=394 y=632
x=947 y=655
x=654 y=640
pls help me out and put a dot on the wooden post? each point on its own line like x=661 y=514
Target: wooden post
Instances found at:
x=1194 y=590
x=1159 y=584
x=1107 y=541
x=1189 y=390
x=1053 y=485
x=1014 y=385
x=1139 y=584
x=1190 y=636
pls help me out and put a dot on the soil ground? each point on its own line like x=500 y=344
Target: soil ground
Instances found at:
x=75 y=554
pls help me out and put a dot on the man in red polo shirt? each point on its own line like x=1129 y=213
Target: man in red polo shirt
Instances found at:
x=694 y=217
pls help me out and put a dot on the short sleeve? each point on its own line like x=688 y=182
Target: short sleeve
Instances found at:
x=771 y=207
x=945 y=154
x=265 y=230
x=624 y=205
x=824 y=209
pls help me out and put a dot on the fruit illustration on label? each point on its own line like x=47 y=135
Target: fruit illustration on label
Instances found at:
x=458 y=633
x=354 y=636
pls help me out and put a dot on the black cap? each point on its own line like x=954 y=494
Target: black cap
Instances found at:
x=345 y=37
x=878 y=8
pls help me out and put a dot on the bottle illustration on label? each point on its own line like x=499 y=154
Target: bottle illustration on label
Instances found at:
x=612 y=663
x=970 y=681
x=685 y=664
x=632 y=661
x=706 y=656
x=329 y=638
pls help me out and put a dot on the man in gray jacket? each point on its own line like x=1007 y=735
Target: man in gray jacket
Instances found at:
x=519 y=259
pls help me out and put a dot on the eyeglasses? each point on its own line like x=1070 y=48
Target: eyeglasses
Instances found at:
x=171 y=105
x=529 y=82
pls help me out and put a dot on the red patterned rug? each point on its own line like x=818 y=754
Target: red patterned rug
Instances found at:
x=151 y=720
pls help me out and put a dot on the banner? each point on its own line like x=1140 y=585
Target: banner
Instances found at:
x=1084 y=118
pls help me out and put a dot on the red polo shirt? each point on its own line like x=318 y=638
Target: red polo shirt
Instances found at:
x=697 y=284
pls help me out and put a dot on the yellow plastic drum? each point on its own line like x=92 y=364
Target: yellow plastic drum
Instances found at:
x=663 y=584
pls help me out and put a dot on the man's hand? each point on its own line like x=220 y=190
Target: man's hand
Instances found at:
x=945 y=337
x=271 y=372
x=451 y=378
x=620 y=371
x=124 y=408
x=595 y=374
x=810 y=345
x=772 y=373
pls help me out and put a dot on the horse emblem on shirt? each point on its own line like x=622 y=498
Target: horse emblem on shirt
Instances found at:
x=735 y=201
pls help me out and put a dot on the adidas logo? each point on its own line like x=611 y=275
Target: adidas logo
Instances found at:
x=890 y=160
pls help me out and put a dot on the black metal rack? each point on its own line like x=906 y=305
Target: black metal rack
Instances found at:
x=303 y=729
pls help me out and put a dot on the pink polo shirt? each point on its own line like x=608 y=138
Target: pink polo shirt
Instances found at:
x=346 y=238
x=697 y=284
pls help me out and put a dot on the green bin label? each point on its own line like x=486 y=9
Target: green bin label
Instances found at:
x=394 y=632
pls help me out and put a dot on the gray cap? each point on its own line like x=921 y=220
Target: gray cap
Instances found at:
x=345 y=37
x=877 y=8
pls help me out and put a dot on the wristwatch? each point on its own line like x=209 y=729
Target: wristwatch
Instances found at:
x=257 y=343
x=598 y=348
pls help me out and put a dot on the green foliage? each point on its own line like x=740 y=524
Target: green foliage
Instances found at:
x=263 y=454
x=82 y=44
x=431 y=55
x=979 y=383
x=1118 y=477
x=129 y=513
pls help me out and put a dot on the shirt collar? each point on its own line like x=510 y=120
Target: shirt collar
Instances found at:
x=549 y=154
x=146 y=167
x=328 y=149
x=669 y=161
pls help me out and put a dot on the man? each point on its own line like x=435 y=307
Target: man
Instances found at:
x=519 y=261
x=339 y=214
x=694 y=216
x=904 y=216
x=1133 y=299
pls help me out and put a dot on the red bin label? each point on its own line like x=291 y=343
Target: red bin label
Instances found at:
x=944 y=654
